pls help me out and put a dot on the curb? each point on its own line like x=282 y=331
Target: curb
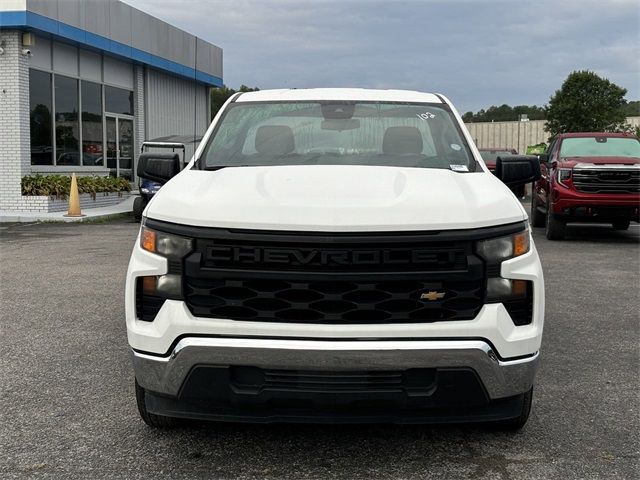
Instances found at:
x=42 y=219
x=120 y=210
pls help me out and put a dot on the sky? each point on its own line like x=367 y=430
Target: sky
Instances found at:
x=476 y=52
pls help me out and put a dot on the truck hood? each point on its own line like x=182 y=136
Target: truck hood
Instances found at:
x=570 y=162
x=335 y=198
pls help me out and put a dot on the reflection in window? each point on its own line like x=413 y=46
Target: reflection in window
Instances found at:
x=112 y=151
x=92 y=154
x=125 y=142
x=118 y=100
x=40 y=118
x=66 y=95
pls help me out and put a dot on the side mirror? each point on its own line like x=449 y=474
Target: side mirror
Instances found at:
x=158 y=167
x=518 y=169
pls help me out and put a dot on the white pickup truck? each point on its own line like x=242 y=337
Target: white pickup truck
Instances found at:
x=335 y=255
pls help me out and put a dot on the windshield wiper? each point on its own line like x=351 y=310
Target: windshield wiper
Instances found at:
x=220 y=167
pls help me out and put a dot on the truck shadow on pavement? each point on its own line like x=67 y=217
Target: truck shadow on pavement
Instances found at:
x=347 y=451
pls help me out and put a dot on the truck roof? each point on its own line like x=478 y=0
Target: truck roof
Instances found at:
x=342 y=94
x=593 y=134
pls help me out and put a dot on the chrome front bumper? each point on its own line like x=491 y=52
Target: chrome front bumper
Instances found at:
x=165 y=375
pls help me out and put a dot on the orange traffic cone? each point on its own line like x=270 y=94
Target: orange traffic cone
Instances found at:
x=74 y=199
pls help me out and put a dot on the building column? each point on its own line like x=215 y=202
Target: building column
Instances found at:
x=15 y=150
x=139 y=110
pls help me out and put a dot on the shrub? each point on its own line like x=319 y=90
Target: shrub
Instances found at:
x=59 y=186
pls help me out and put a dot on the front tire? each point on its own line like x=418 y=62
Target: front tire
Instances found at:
x=151 y=419
x=138 y=208
x=555 y=229
x=537 y=217
x=621 y=225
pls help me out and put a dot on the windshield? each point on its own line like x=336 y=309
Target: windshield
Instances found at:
x=600 y=147
x=338 y=133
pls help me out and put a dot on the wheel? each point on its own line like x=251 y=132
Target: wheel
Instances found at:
x=621 y=225
x=151 y=419
x=554 y=228
x=517 y=423
x=537 y=217
x=138 y=207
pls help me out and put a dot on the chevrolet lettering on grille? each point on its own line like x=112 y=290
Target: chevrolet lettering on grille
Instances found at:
x=226 y=255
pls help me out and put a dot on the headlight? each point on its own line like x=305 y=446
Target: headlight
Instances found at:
x=496 y=250
x=166 y=286
x=515 y=295
x=170 y=246
x=505 y=288
x=144 y=190
x=564 y=174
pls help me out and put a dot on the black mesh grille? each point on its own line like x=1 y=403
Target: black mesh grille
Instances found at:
x=274 y=300
x=619 y=180
x=334 y=280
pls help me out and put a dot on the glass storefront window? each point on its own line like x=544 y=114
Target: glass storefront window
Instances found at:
x=74 y=111
x=118 y=100
x=40 y=118
x=92 y=150
x=67 y=133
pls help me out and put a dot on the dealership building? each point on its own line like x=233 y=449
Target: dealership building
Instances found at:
x=84 y=82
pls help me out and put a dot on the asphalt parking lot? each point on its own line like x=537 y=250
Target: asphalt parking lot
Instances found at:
x=67 y=407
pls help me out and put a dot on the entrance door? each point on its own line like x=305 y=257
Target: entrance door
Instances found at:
x=119 y=133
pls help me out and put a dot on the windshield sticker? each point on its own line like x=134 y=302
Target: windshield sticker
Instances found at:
x=459 y=168
x=456 y=147
x=425 y=115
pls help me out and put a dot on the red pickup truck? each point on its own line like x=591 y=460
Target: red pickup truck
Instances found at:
x=490 y=154
x=587 y=177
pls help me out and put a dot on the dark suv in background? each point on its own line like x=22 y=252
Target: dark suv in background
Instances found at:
x=587 y=177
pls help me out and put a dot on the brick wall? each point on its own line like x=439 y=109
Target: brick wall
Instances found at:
x=49 y=204
x=15 y=161
x=15 y=149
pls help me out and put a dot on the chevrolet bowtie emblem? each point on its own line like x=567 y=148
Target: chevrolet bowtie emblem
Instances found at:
x=431 y=296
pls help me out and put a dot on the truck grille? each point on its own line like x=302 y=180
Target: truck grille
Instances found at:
x=343 y=257
x=607 y=180
x=332 y=301
x=334 y=280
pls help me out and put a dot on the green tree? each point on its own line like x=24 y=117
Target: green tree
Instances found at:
x=586 y=102
x=222 y=94
x=505 y=113
x=632 y=109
